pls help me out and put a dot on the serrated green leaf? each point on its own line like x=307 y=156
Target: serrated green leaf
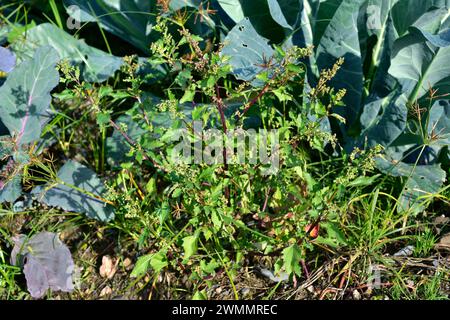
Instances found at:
x=334 y=233
x=164 y=212
x=17 y=31
x=156 y=261
x=363 y=181
x=190 y=246
x=159 y=261
x=291 y=259
x=142 y=266
x=103 y=118
x=188 y=96
x=200 y=295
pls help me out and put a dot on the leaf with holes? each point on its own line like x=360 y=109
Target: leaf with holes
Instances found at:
x=247 y=51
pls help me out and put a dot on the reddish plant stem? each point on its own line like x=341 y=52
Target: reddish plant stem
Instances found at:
x=225 y=130
x=127 y=137
x=305 y=268
x=220 y=108
x=259 y=96
x=251 y=103
x=266 y=200
x=129 y=140
x=132 y=143
x=344 y=277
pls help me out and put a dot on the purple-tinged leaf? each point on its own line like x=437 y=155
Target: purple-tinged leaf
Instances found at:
x=16 y=257
x=7 y=60
x=47 y=263
x=37 y=281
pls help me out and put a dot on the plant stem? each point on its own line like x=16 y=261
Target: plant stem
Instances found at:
x=133 y=144
x=251 y=103
x=219 y=102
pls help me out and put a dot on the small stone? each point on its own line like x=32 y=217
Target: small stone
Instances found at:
x=108 y=268
x=106 y=291
x=127 y=262
x=441 y=220
x=245 y=292
x=445 y=240
x=280 y=277
x=356 y=295
x=405 y=252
